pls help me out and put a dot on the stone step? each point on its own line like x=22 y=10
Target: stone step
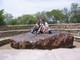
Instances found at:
x=15 y=27
x=57 y=26
x=12 y=32
x=4 y=41
x=15 y=30
x=4 y=38
x=77 y=38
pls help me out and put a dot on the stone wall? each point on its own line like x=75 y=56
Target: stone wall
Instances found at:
x=70 y=27
x=15 y=27
x=53 y=26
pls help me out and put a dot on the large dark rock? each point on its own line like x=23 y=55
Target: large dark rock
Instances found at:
x=42 y=41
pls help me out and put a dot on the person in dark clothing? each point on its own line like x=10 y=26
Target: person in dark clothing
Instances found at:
x=36 y=27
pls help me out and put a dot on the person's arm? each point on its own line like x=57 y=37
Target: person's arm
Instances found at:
x=36 y=25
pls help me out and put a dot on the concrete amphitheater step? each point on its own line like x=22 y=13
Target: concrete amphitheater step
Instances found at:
x=4 y=41
x=19 y=31
x=12 y=32
x=5 y=38
x=15 y=27
x=77 y=38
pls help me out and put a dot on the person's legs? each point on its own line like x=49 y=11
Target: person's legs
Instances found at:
x=50 y=32
x=34 y=29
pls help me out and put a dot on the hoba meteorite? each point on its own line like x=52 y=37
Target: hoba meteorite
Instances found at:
x=42 y=41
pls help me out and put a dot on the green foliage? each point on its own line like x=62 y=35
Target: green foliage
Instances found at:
x=73 y=20
x=57 y=14
x=8 y=17
x=54 y=16
x=24 y=19
x=75 y=11
x=27 y=19
x=41 y=15
x=66 y=15
x=2 y=22
x=31 y=21
x=12 y=22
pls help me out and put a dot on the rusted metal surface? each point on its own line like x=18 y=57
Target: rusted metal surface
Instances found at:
x=42 y=41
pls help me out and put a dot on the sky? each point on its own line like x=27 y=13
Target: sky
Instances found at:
x=20 y=7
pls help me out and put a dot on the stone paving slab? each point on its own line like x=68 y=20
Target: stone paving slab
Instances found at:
x=55 y=54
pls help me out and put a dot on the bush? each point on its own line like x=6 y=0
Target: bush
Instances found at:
x=2 y=22
x=12 y=22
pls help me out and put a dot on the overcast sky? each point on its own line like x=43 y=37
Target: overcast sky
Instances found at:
x=20 y=7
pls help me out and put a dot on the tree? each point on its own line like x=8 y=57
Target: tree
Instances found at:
x=12 y=22
x=27 y=19
x=38 y=16
x=66 y=13
x=2 y=22
x=41 y=15
x=75 y=11
x=44 y=14
x=58 y=15
x=8 y=17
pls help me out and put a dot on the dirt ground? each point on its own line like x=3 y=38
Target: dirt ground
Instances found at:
x=7 y=46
